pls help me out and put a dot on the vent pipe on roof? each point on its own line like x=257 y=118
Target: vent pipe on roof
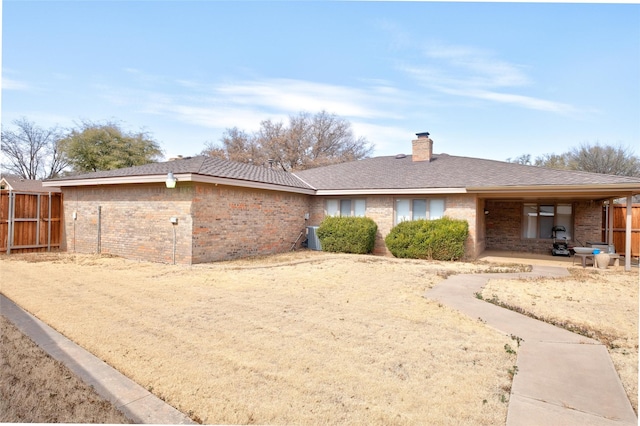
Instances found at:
x=422 y=147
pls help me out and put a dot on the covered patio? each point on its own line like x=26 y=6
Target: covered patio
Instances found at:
x=521 y=220
x=506 y=256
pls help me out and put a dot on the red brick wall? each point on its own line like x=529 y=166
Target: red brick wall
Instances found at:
x=588 y=221
x=225 y=222
x=232 y=222
x=134 y=221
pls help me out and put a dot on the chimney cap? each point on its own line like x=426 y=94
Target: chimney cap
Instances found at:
x=422 y=134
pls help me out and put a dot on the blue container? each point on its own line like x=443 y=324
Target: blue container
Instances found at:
x=596 y=251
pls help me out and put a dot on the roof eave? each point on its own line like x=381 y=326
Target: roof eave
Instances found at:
x=181 y=177
x=592 y=192
x=391 y=191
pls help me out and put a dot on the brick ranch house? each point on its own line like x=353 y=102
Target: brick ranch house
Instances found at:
x=220 y=210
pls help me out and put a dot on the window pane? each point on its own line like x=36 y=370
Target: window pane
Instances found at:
x=402 y=211
x=332 y=208
x=530 y=220
x=359 y=208
x=436 y=208
x=345 y=207
x=546 y=221
x=563 y=218
x=419 y=209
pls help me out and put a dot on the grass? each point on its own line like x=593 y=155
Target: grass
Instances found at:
x=304 y=338
x=602 y=305
x=35 y=388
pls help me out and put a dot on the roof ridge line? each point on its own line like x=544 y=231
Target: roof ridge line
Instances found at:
x=304 y=181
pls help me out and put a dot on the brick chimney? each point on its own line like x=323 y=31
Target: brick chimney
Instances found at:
x=422 y=147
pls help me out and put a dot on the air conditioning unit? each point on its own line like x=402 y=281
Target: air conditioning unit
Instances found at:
x=313 y=242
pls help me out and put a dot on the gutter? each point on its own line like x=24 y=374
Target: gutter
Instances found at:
x=181 y=177
x=391 y=191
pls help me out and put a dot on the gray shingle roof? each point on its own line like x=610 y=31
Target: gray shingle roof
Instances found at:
x=19 y=184
x=445 y=171
x=204 y=166
x=377 y=173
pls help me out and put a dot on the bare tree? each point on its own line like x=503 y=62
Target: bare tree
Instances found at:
x=611 y=160
x=604 y=159
x=553 y=161
x=521 y=159
x=32 y=152
x=308 y=141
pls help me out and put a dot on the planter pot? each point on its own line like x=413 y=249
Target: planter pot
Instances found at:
x=602 y=260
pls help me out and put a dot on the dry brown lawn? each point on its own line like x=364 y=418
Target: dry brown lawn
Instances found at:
x=303 y=338
x=35 y=388
x=600 y=304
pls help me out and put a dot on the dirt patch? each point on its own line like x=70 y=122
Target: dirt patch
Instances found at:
x=599 y=304
x=35 y=388
x=302 y=338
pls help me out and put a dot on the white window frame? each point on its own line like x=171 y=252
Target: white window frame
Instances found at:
x=334 y=207
x=409 y=215
x=531 y=223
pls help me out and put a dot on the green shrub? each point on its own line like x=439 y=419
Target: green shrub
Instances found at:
x=439 y=239
x=347 y=234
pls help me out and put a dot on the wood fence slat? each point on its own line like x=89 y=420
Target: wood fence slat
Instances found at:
x=619 y=212
x=35 y=228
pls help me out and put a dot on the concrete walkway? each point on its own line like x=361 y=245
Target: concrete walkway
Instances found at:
x=563 y=378
x=129 y=397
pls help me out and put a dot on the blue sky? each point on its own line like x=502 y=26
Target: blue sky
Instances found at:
x=488 y=80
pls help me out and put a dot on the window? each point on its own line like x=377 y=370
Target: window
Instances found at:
x=345 y=207
x=407 y=209
x=538 y=220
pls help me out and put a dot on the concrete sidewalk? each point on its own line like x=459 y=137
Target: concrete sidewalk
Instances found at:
x=563 y=378
x=133 y=400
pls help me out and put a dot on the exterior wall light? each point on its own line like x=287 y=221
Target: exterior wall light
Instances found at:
x=171 y=180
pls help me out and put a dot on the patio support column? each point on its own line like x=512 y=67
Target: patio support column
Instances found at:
x=610 y=211
x=627 y=234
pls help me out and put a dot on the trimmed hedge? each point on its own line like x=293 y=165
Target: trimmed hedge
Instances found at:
x=347 y=234
x=438 y=239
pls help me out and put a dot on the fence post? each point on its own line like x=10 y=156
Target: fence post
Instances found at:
x=11 y=221
x=49 y=226
x=38 y=217
x=99 y=248
x=627 y=235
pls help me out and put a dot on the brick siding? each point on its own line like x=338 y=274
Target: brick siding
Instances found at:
x=225 y=222
x=232 y=222
x=214 y=222
x=134 y=221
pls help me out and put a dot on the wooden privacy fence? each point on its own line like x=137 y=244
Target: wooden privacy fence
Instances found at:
x=619 y=212
x=30 y=221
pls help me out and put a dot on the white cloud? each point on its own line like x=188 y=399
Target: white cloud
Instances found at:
x=246 y=103
x=477 y=74
x=291 y=96
x=11 y=84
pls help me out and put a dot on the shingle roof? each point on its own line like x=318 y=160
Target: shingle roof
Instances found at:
x=445 y=171
x=204 y=166
x=19 y=184
x=377 y=173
